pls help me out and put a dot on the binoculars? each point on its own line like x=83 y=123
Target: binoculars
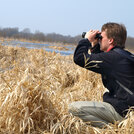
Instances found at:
x=98 y=36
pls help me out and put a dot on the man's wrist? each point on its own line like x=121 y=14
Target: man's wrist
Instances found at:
x=93 y=44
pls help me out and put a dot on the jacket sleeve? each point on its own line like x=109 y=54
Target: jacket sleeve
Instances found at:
x=96 y=61
x=83 y=46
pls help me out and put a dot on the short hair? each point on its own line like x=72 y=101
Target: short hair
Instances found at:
x=116 y=31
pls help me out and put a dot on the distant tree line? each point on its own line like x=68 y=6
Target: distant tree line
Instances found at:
x=130 y=43
x=38 y=36
x=52 y=37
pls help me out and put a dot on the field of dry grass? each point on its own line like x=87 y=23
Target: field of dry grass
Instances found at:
x=35 y=89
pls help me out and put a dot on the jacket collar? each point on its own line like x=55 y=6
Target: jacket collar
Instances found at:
x=110 y=48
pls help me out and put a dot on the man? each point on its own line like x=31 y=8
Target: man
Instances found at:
x=116 y=67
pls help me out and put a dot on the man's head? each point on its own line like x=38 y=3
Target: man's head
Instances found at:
x=113 y=34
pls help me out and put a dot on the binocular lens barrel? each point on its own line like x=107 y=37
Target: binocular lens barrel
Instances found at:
x=98 y=36
x=83 y=34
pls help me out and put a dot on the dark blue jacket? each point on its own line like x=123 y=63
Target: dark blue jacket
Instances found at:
x=113 y=67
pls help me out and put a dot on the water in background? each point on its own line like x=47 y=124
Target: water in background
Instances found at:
x=69 y=50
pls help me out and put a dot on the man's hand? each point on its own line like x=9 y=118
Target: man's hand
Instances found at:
x=91 y=37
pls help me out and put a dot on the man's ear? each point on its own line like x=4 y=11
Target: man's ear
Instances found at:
x=111 y=41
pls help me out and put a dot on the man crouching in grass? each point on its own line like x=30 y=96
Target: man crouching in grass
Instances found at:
x=116 y=67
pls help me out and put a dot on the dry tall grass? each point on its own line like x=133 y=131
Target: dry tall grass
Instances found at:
x=36 y=88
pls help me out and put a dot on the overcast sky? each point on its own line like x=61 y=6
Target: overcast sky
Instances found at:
x=66 y=17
